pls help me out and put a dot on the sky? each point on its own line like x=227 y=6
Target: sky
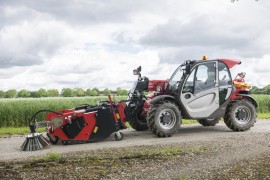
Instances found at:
x=97 y=43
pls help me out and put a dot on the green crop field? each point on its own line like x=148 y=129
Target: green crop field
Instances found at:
x=17 y=112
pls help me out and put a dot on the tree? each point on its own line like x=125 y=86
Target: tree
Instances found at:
x=12 y=93
x=121 y=92
x=106 y=92
x=266 y=89
x=67 y=92
x=91 y=92
x=42 y=92
x=78 y=92
x=53 y=93
x=24 y=93
x=34 y=94
x=255 y=90
x=2 y=94
x=97 y=90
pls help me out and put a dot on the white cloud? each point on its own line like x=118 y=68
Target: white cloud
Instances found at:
x=56 y=44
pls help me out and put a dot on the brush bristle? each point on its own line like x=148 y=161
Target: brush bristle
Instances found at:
x=34 y=141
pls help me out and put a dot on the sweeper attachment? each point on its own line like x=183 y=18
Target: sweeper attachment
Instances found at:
x=85 y=123
x=34 y=141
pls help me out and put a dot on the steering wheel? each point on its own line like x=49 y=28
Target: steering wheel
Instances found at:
x=198 y=85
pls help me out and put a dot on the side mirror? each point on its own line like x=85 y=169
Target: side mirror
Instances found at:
x=137 y=71
x=188 y=69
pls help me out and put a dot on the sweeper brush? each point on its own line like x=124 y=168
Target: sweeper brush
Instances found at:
x=35 y=141
x=85 y=123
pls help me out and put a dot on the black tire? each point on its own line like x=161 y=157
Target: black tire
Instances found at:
x=53 y=139
x=66 y=142
x=118 y=136
x=138 y=122
x=240 y=115
x=164 y=127
x=207 y=122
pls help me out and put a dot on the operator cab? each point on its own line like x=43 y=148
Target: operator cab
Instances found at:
x=202 y=88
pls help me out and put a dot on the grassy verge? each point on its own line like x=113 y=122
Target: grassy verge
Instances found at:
x=255 y=168
x=16 y=131
x=98 y=164
x=264 y=116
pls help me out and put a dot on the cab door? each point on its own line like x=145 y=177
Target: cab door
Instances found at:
x=200 y=92
x=225 y=84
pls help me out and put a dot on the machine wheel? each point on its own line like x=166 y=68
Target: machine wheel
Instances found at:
x=206 y=122
x=66 y=142
x=118 y=136
x=138 y=122
x=53 y=139
x=240 y=115
x=164 y=119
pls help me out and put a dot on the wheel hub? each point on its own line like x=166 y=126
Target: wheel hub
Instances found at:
x=166 y=118
x=241 y=114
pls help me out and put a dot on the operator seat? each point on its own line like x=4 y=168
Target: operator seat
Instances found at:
x=211 y=79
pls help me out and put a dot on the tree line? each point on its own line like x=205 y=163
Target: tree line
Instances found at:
x=65 y=92
x=80 y=92
x=264 y=90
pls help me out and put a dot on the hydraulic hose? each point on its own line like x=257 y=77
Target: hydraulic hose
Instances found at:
x=31 y=123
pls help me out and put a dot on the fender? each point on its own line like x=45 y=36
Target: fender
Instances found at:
x=249 y=98
x=161 y=97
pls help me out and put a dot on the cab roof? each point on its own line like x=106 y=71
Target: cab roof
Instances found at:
x=230 y=62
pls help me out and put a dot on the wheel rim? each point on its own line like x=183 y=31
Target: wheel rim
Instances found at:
x=167 y=118
x=242 y=114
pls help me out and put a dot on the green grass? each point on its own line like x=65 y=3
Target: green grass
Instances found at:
x=263 y=116
x=13 y=131
x=16 y=131
x=263 y=102
x=189 y=121
x=17 y=112
x=50 y=156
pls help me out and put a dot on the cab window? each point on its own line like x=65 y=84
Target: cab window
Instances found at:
x=224 y=75
x=189 y=85
x=205 y=77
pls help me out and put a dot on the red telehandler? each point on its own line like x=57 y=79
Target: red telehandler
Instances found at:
x=203 y=90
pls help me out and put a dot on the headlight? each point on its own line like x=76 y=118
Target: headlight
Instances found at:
x=159 y=88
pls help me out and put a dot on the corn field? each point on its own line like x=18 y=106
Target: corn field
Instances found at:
x=263 y=102
x=17 y=112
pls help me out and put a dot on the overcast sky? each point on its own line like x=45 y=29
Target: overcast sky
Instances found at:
x=97 y=43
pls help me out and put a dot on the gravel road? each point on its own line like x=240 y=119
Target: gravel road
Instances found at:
x=188 y=134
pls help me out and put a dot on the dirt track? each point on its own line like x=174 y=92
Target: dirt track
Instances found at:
x=188 y=134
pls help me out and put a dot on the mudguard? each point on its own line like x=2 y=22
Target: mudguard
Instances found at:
x=250 y=98
x=161 y=97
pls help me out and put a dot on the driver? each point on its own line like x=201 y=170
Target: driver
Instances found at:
x=211 y=79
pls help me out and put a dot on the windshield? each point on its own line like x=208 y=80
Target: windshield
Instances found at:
x=176 y=77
